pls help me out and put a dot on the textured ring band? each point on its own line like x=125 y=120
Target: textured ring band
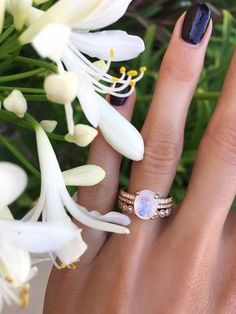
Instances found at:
x=145 y=204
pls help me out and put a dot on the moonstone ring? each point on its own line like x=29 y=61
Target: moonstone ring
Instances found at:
x=145 y=204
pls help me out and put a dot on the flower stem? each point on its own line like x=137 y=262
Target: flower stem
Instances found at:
x=46 y=65
x=15 y=77
x=7 y=33
x=19 y=155
x=22 y=89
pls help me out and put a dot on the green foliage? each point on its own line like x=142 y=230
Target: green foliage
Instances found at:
x=21 y=68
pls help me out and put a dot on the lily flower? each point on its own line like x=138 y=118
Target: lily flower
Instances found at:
x=54 y=199
x=72 y=19
x=18 y=238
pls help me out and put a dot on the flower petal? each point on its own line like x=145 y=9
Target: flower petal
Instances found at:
x=15 y=263
x=87 y=175
x=83 y=215
x=73 y=250
x=5 y=213
x=37 y=237
x=120 y=133
x=113 y=217
x=13 y=181
x=100 y=44
x=85 y=93
x=105 y=14
x=67 y=12
x=83 y=135
x=52 y=41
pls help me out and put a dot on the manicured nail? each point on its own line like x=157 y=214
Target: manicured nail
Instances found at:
x=195 y=23
x=119 y=101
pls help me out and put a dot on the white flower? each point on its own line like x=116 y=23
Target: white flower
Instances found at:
x=18 y=238
x=82 y=16
x=16 y=103
x=54 y=199
x=87 y=175
x=83 y=135
x=19 y=10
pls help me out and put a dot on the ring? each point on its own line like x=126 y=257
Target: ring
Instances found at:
x=145 y=204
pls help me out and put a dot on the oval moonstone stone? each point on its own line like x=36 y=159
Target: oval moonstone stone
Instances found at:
x=145 y=204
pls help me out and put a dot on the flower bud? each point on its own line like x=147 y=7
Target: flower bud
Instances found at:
x=83 y=135
x=48 y=125
x=19 y=10
x=61 y=88
x=16 y=103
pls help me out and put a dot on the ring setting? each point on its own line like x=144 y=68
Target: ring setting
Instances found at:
x=145 y=204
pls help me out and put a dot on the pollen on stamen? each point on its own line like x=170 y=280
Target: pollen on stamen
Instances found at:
x=24 y=296
x=132 y=73
x=73 y=266
x=115 y=79
x=132 y=83
x=143 y=69
x=122 y=70
x=63 y=266
x=9 y=279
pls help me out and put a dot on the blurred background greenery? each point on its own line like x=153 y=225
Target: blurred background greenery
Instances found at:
x=152 y=20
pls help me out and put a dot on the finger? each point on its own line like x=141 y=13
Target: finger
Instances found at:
x=102 y=196
x=164 y=127
x=213 y=185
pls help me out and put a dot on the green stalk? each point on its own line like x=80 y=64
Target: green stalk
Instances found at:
x=19 y=156
x=22 y=89
x=20 y=76
x=7 y=33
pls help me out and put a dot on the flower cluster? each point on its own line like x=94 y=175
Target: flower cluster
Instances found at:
x=68 y=34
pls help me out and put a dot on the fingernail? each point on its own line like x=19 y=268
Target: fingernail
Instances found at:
x=119 y=101
x=195 y=23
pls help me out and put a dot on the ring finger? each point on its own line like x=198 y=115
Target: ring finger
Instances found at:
x=163 y=129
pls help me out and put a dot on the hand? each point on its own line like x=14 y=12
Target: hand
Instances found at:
x=183 y=264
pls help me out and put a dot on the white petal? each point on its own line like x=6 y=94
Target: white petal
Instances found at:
x=113 y=217
x=67 y=12
x=13 y=181
x=106 y=14
x=83 y=135
x=85 y=93
x=5 y=213
x=33 y=15
x=37 y=237
x=19 y=11
x=87 y=175
x=100 y=44
x=81 y=214
x=120 y=133
x=73 y=250
x=48 y=125
x=15 y=263
x=52 y=41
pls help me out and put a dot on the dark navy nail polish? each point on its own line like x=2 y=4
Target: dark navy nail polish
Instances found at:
x=119 y=101
x=195 y=23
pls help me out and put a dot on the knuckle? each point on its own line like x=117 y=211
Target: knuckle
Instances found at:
x=162 y=154
x=180 y=71
x=220 y=138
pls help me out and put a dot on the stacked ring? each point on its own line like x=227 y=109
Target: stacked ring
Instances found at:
x=145 y=204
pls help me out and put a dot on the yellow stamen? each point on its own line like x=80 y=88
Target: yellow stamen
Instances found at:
x=132 y=73
x=9 y=278
x=63 y=266
x=112 y=53
x=115 y=79
x=24 y=296
x=132 y=83
x=143 y=69
x=73 y=266
x=122 y=70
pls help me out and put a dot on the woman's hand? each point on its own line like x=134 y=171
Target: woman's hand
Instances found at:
x=183 y=264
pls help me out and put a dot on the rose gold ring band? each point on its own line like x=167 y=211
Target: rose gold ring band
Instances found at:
x=145 y=204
